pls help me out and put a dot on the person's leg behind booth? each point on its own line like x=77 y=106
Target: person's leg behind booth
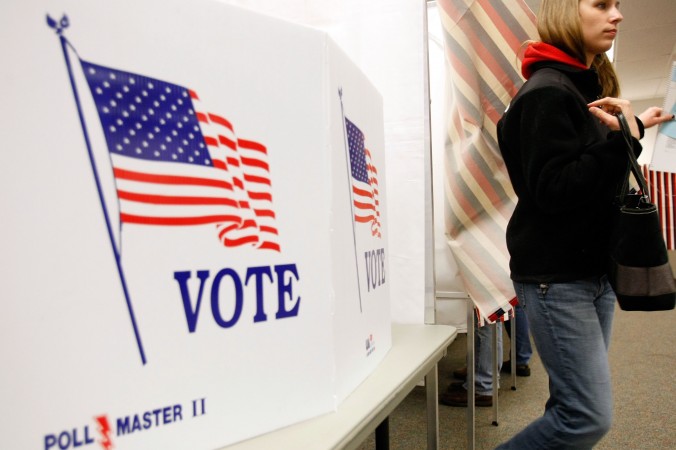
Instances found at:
x=456 y=394
x=524 y=350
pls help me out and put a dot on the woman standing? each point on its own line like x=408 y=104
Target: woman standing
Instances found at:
x=565 y=159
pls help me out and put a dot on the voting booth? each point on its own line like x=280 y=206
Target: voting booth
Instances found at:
x=195 y=233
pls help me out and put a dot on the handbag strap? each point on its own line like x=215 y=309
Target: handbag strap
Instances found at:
x=633 y=163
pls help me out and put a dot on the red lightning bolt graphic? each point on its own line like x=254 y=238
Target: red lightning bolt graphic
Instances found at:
x=104 y=429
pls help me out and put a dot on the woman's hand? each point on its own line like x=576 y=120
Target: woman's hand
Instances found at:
x=606 y=108
x=654 y=116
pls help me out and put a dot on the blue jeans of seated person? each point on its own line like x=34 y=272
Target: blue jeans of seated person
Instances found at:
x=483 y=358
x=524 y=350
x=571 y=326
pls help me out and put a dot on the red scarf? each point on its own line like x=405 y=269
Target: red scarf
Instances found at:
x=539 y=51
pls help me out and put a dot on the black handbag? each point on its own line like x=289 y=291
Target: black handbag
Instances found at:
x=639 y=270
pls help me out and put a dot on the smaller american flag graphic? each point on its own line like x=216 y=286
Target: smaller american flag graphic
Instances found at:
x=364 y=180
x=176 y=165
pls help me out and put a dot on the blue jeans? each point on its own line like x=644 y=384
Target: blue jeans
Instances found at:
x=483 y=358
x=571 y=325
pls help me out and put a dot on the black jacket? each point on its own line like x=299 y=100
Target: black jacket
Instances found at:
x=565 y=167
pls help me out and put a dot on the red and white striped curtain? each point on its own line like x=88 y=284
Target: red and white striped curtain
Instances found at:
x=661 y=186
x=482 y=43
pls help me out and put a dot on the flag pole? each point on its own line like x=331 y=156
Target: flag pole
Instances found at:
x=59 y=27
x=349 y=179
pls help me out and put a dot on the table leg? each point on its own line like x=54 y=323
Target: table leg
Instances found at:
x=432 y=390
x=512 y=352
x=470 y=374
x=383 y=435
x=496 y=371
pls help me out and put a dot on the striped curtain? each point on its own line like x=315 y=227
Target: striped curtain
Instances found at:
x=661 y=186
x=482 y=43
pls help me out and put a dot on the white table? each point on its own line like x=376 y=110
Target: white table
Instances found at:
x=415 y=351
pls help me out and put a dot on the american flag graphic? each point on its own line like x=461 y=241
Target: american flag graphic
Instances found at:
x=482 y=40
x=175 y=164
x=364 y=180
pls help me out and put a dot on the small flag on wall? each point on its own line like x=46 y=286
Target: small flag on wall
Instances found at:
x=661 y=185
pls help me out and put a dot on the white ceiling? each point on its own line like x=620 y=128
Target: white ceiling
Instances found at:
x=645 y=47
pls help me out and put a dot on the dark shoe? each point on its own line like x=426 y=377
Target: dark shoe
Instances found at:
x=522 y=370
x=459 y=398
x=460 y=374
x=456 y=386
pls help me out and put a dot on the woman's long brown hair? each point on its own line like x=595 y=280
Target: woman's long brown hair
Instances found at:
x=558 y=24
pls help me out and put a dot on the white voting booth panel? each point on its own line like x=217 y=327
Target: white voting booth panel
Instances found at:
x=194 y=244
x=385 y=39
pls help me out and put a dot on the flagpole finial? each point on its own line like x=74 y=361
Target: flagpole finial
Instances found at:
x=60 y=25
x=340 y=92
